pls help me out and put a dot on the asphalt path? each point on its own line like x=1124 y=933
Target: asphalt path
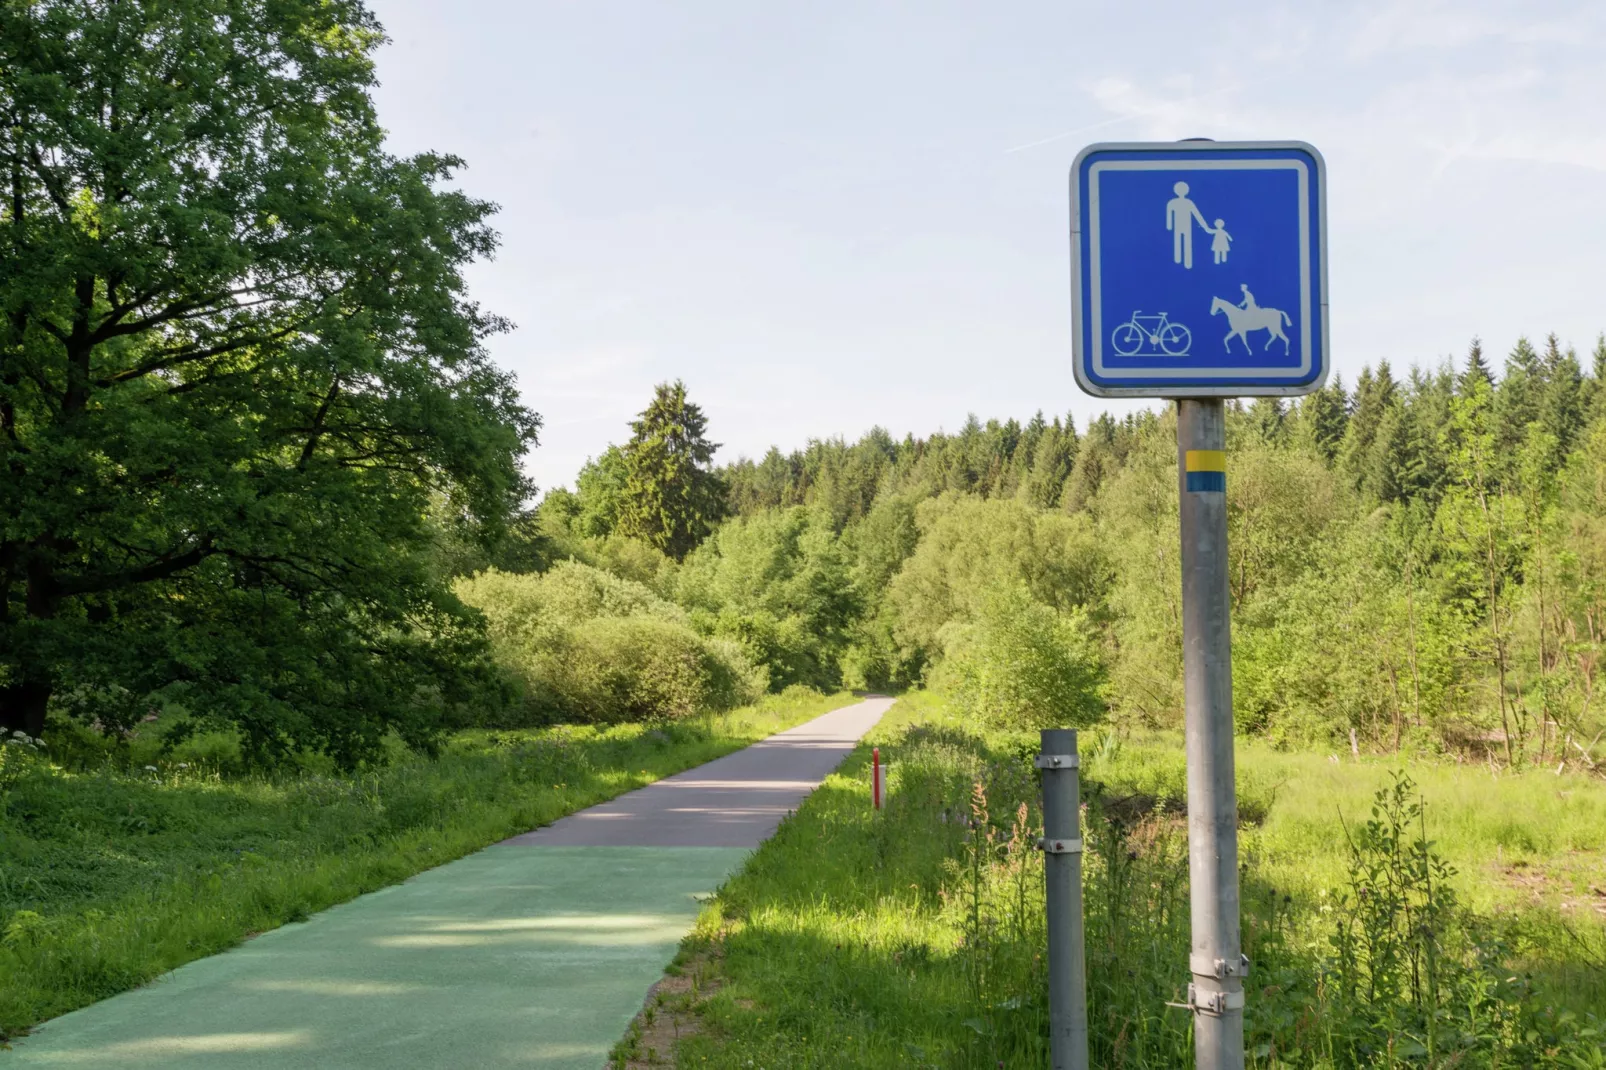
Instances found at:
x=535 y=952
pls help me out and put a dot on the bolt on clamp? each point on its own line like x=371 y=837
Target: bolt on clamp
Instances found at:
x=1059 y=847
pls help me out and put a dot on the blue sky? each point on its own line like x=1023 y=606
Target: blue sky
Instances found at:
x=829 y=215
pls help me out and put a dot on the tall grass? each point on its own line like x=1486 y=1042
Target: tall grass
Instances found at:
x=1380 y=935
x=112 y=876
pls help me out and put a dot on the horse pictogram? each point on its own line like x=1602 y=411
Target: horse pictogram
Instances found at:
x=1252 y=318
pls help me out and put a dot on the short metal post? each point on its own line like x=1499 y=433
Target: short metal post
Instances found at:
x=1216 y=995
x=1062 y=866
x=875 y=777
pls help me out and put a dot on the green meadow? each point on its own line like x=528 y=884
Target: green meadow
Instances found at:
x=914 y=936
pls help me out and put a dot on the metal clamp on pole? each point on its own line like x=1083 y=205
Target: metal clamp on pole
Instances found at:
x=1062 y=877
x=1216 y=1003
x=1205 y=966
x=1058 y=761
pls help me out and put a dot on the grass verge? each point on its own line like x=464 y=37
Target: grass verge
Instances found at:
x=110 y=878
x=913 y=937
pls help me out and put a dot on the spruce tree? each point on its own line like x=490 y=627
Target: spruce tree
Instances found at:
x=1592 y=394
x=1477 y=370
x=1402 y=462
x=1267 y=419
x=1322 y=418
x=1562 y=403
x=1374 y=396
x=671 y=497
x=1052 y=463
x=1518 y=400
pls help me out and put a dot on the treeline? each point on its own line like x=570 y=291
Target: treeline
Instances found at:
x=1416 y=561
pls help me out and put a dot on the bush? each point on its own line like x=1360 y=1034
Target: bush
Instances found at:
x=638 y=668
x=19 y=755
x=1024 y=665
x=970 y=547
x=589 y=646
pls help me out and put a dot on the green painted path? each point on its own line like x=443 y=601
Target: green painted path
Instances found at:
x=535 y=953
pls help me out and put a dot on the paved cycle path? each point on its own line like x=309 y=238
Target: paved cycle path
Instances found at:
x=533 y=953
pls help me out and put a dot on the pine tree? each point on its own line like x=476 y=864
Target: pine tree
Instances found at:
x=671 y=497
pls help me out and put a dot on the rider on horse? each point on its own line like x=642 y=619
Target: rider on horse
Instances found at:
x=1249 y=298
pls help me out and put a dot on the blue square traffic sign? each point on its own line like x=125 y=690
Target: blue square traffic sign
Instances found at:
x=1199 y=269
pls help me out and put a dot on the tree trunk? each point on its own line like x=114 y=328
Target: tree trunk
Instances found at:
x=22 y=706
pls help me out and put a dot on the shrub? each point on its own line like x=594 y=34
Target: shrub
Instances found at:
x=969 y=547
x=1024 y=665
x=638 y=668
x=589 y=646
x=19 y=754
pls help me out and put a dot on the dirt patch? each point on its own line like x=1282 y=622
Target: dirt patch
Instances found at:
x=668 y=1016
x=1569 y=883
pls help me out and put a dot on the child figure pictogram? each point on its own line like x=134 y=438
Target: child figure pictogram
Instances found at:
x=1220 y=242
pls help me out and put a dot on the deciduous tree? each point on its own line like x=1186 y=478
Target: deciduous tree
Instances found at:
x=236 y=364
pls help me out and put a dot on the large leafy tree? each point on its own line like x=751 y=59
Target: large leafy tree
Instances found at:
x=671 y=498
x=237 y=370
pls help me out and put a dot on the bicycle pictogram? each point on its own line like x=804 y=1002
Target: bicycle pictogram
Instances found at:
x=1151 y=336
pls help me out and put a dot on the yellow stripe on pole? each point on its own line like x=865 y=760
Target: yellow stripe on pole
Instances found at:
x=1205 y=460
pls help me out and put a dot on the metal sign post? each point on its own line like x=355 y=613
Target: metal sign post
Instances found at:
x=1062 y=877
x=1216 y=961
x=1199 y=272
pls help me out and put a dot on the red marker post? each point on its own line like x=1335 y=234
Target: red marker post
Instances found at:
x=875 y=776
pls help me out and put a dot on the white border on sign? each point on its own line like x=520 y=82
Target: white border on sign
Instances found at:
x=1097 y=311
x=1172 y=390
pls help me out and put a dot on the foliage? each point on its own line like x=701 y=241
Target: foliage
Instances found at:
x=1411 y=974
x=590 y=646
x=237 y=365
x=1024 y=665
x=780 y=585
x=20 y=753
x=114 y=874
x=970 y=548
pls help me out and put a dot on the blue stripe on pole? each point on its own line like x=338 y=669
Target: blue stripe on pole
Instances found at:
x=1207 y=481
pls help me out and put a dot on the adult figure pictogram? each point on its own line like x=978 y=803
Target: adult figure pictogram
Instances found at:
x=1180 y=213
